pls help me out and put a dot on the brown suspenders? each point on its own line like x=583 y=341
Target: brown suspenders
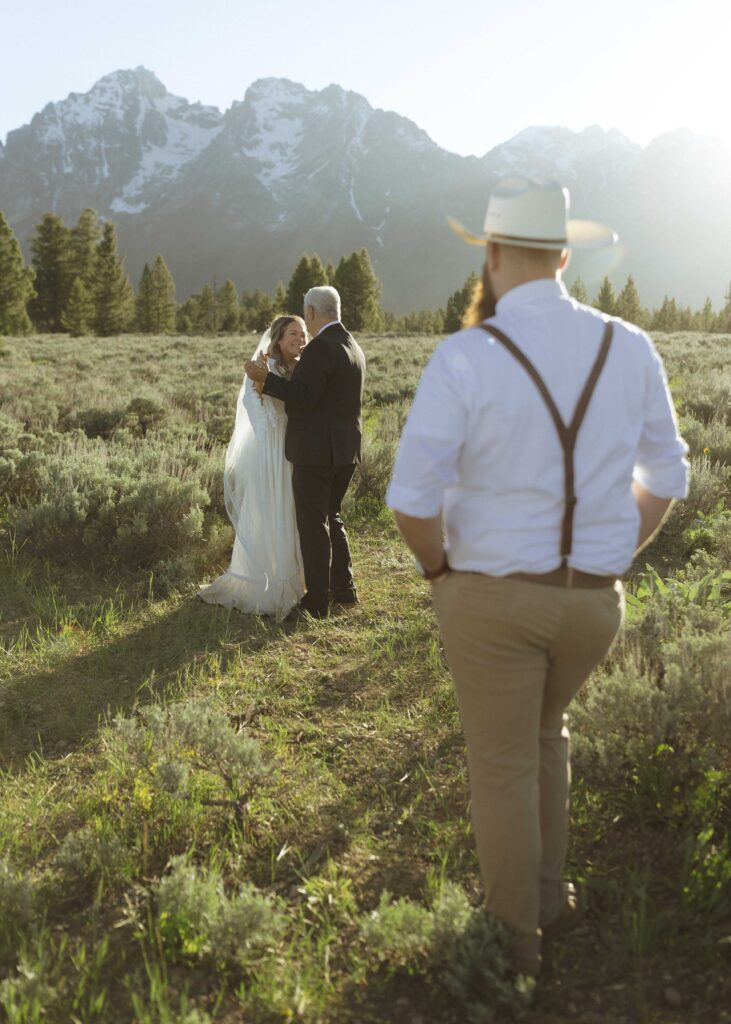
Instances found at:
x=567 y=434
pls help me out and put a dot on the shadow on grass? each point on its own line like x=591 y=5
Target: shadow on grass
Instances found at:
x=53 y=709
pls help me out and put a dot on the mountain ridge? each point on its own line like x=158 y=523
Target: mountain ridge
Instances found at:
x=243 y=192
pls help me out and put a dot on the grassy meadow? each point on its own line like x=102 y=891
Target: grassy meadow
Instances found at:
x=206 y=816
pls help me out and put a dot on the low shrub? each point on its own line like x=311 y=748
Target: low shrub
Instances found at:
x=181 y=750
x=379 y=448
x=197 y=917
x=93 y=854
x=667 y=685
x=452 y=943
x=86 y=500
x=94 y=422
x=17 y=905
x=712 y=438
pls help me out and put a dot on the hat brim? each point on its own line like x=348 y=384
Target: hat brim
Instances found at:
x=580 y=234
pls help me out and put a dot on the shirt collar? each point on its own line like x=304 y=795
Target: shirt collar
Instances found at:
x=532 y=291
x=332 y=322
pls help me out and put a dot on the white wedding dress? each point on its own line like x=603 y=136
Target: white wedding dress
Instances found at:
x=265 y=576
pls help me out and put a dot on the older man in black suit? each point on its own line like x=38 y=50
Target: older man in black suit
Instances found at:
x=323 y=400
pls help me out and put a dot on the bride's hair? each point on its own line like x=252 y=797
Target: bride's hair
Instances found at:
x=276 y=332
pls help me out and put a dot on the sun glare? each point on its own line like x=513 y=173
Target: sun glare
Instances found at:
x=681 y=75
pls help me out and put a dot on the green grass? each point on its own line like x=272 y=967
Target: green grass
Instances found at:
x=366 y=790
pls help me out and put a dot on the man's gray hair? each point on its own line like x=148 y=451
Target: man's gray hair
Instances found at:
x=325 y=301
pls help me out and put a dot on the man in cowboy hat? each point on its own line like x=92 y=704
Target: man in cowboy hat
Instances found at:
x=543 y=442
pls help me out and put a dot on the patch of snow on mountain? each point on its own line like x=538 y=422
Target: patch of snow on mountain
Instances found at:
x=317 y=170
x=353 y=202
x=279 y=129
x=121 y=206
x=274 y=146
x=163 y=163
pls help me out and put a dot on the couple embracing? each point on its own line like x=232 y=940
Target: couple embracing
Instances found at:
x=294 y=449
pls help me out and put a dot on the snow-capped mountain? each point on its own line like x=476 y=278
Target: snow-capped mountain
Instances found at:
x=290 y=170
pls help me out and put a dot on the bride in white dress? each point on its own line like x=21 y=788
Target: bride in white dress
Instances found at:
x=265 y=576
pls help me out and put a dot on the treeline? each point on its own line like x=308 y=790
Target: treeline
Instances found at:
x=77 y=284
x=669 y=316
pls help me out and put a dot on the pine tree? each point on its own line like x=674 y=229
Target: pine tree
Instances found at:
x=330 y=272
x=143 y=302
x=685 y=319
x=84 y=239
x=187 y=315
x=724 y=317
x=606 y=300
x=111 y=290
x=578 y=291
x=458 y=303
x=162 y=298
x=128 y=304
x=51 y=248
x=79 y=312
x=228 y=305
x=706 y=317
x=309 y=273
x=360 y=292
x=390 y=322
x=628 y=305
x=207 y=322
x=666 y=317
x=258 y=311
x=280 y=297
x=16 y=284
x=420 y=321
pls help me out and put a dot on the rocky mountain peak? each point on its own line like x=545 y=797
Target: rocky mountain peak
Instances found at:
x=273 y=91
x=125 y=82
x=289 y=169
x=559 y=152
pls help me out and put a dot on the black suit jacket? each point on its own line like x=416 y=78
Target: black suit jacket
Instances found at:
x=323 y=400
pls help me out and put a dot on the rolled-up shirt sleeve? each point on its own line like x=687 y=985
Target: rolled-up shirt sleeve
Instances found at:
x=428 y=457
x=661 y=464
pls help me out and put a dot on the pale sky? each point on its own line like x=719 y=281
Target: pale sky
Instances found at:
x=472 y=73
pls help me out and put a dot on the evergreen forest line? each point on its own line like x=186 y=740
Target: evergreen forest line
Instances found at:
x=77 y=284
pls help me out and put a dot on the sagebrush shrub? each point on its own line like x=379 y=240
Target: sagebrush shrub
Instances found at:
x=17 y=903
x=197 y=917
x=28 y=993
x=708 y=397
x=397 y=931
x=687 y=708
x=93 y=422
x=712 y=438
x=87 y=500
x=180 y=746
x=92 y=853
x=378 y=453
x=459 y=945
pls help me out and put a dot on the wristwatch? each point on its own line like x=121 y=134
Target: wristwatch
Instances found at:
x=432 y=574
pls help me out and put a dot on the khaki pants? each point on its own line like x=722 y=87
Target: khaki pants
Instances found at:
x=518 y=653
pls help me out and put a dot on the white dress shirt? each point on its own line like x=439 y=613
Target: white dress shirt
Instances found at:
x=480 y=446
x=325 y=327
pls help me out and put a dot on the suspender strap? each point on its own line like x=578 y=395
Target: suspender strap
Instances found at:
x=567 y=433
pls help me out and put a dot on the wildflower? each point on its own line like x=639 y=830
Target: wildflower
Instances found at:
x=142 y=794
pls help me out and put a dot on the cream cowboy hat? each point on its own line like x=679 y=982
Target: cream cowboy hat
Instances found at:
x=534 y=214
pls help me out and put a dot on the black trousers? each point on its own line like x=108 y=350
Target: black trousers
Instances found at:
x=318 y=495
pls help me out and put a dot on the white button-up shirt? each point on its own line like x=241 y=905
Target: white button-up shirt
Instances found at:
x=325 y=327
x=480 y=445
